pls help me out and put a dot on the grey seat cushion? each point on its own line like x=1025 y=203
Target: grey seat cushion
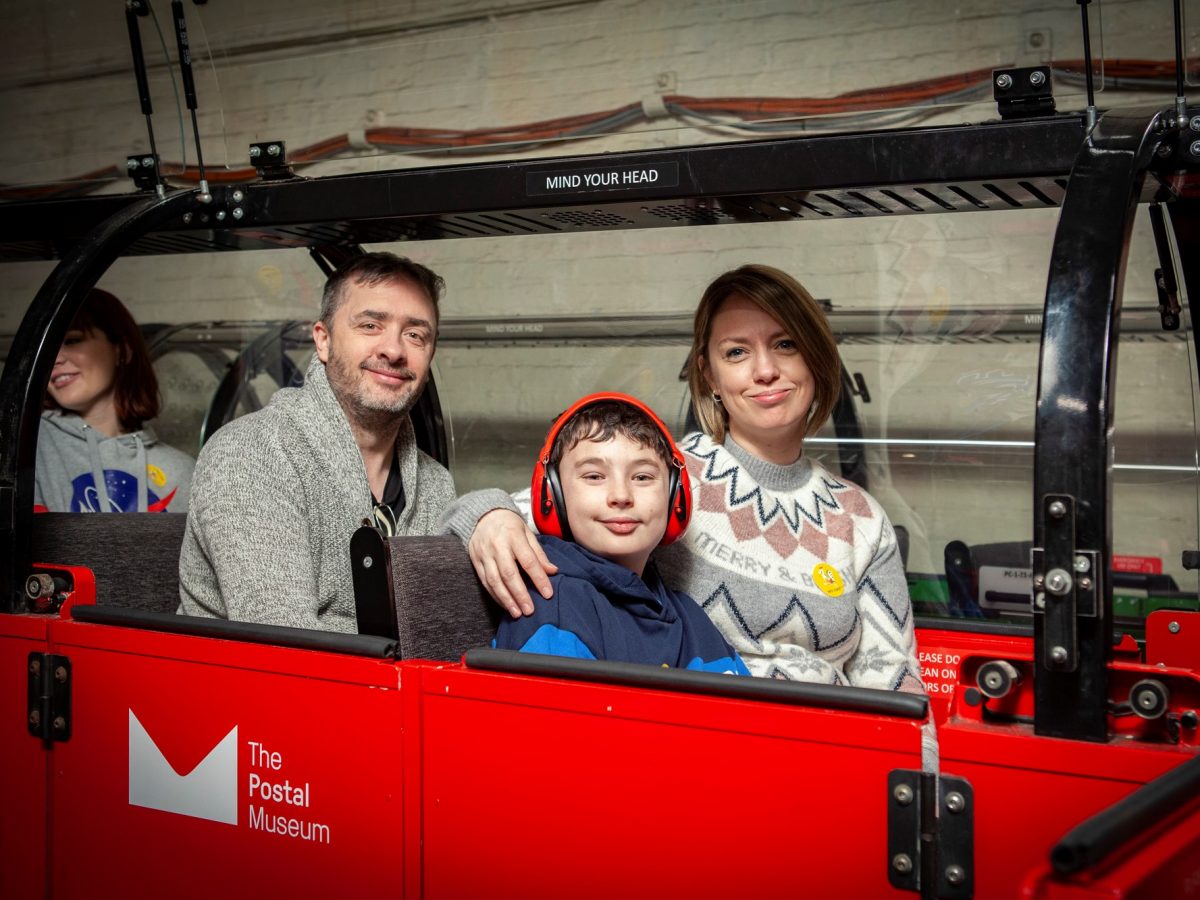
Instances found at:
x=441 y=608
x=134 y=556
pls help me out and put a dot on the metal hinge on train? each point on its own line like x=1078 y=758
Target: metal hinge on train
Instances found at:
x=49 y=708
x=1064 y=584
x=931 y=834
x=1023 y=93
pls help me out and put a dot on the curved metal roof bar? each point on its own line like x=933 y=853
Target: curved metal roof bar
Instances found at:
x=1073 y=423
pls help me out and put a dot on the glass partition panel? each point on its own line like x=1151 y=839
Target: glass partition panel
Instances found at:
x=938 y=320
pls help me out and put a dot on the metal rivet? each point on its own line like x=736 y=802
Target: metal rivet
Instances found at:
x=1164 y=150
x=147 y=162
x=187 y=218
x=1038 y=580
x=1037 y=78
x=1058 y=509
x=1004 y=82
x=237 y=212
x=903 y=794
x=1058 y=655
x=272 y=149
x=368 y=562
x=992 y=680
x=1082 y=563
x=902 y=863
x=1040 y=601
x=1085 y=583
x=255 y=152
x=35 y=666
x=955 y=874
x=1173 y=627
x=131 y=164
x=955 y=802
x=35 y=718
x=59 y=723
x=220 y=215
x=1195 y=148
x=1146 y=699
x=1058 y=581
x=238 y=196
x=1194 y=124
x=60 y=674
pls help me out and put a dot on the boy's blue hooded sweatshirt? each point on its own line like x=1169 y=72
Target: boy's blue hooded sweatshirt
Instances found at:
x=601 y=610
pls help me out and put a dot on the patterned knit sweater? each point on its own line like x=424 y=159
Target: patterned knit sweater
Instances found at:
x=799 y=570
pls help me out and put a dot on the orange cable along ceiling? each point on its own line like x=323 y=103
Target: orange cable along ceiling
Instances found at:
x=1130 y=73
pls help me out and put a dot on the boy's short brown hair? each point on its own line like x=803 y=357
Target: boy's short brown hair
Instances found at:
x=602 y=421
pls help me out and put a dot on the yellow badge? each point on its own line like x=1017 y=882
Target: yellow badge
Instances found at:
x=826 y=578
x=156 y=475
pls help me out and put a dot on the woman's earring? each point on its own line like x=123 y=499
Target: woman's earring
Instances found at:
x=716 y=397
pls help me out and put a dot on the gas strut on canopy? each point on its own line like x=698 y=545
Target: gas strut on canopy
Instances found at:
x=133 y=9
x=1087 y=64
x=189 y=88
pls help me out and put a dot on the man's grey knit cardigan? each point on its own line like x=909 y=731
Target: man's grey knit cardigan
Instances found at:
x=276 y=496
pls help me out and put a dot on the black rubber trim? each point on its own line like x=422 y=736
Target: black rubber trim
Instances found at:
x=248 y=632
x=1126 y=820
x=796 y=693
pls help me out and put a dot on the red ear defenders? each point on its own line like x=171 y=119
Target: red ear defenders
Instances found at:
x=549 y=510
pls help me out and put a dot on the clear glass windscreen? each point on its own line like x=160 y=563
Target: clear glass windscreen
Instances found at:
x=938 y=319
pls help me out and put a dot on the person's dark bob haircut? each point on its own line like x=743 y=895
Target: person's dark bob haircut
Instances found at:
x=135 y=386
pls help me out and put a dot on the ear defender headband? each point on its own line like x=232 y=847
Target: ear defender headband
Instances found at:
x=549 y=510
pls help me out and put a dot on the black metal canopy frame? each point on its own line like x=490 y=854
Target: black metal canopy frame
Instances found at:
x=1098 y=178
x=1073 y=424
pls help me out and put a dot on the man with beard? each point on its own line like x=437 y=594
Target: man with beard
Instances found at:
x=277 y=494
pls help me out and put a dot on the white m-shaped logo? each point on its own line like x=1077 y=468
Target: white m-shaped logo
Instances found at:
x=209 y=791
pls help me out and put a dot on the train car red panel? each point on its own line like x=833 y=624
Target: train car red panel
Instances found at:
x=251 y=756
x=1030 y=791
x=941 y=653
x=23 y=759
x=1162 y=861
x=536 y=788
x=1173 y=638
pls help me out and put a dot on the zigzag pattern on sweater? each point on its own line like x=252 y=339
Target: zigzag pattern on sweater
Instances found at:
x=722 y=598
x=878 y=595
x=713 y=475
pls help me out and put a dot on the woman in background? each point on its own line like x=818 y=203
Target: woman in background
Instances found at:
x=95 y=453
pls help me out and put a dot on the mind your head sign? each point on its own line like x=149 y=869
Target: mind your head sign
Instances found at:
x=602 y=178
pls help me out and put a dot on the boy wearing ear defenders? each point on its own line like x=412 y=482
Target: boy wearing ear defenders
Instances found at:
x=610 y=486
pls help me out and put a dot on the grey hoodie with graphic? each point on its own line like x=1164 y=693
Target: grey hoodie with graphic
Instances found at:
x=79 y=469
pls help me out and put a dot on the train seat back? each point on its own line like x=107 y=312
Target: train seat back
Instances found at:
x=442 y=610
x=134 y=556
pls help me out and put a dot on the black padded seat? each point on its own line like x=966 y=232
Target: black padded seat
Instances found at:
x=134 y=556
x=441 y=609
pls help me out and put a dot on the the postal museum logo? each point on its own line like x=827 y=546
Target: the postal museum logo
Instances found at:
x=209 y=791
x=278 y=800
